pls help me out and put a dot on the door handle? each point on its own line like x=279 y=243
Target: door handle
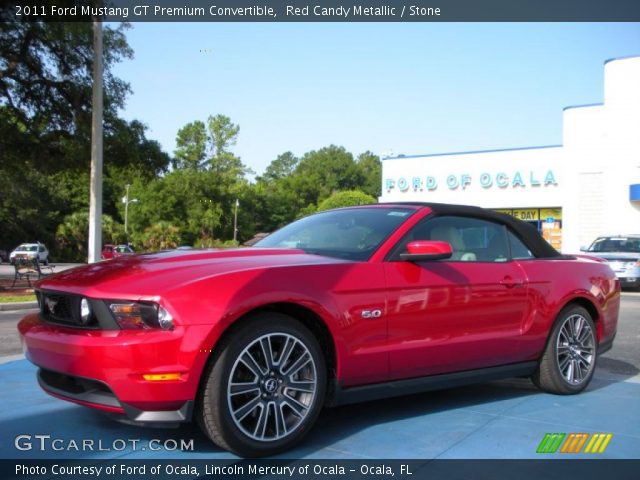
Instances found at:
x=510 y=282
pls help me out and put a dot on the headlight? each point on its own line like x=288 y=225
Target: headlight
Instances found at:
x=141 y=316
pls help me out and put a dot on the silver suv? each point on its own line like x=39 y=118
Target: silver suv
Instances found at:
x=31 y=251
x=623 y=254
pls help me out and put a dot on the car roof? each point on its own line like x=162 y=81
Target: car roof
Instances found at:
x=621 y=235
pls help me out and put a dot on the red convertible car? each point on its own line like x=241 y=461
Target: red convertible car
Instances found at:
x=342 y=306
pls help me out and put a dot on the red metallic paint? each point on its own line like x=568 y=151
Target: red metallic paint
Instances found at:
x=428 y=247
x=436 y=317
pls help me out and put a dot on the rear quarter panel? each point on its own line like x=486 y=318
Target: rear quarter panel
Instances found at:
x=553 y=284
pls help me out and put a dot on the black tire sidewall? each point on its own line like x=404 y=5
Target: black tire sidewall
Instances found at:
x=221 y=370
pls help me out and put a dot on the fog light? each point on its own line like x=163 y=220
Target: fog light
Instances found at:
x=85 y=311
x=165 y=320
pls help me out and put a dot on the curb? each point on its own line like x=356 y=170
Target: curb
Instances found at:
x=9 y=307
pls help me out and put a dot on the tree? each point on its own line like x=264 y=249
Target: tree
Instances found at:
x=283 y=166
x=45 y=86
x=371 y=170
x=223 y=135
x=161 y=236
x=191 y=146
x=45 y=126
x=72 y=234
x=322 y=172
x=346 y=198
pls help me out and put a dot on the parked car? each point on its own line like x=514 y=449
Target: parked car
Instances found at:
x=371 y=301
x=623 y=254
x=31 y=251
x=112 y=251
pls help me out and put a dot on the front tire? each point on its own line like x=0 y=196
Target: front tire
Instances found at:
x=264 y=387
x=569 y=359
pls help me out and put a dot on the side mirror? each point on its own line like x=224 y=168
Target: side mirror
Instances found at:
x=584 y=248
x=422 y=250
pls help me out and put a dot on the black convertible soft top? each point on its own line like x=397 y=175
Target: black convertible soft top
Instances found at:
x=523 y=230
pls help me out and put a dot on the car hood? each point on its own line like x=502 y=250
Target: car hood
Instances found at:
x=151 y=275
x=616 y=256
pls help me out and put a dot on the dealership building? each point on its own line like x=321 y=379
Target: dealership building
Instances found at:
x=586 y=187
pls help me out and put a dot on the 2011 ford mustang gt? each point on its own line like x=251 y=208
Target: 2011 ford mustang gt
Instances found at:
x=341 y=306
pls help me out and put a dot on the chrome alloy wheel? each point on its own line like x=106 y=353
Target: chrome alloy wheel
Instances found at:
x=272 y=386
x=575 y=349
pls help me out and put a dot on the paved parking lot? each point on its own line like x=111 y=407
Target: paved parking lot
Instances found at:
x=505 y=419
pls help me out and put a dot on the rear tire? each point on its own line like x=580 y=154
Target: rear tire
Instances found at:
x=569 y=359
x=263 y=388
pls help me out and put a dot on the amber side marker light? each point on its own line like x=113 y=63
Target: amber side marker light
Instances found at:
x=161 y=377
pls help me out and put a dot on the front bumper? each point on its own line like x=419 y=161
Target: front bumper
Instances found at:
x=104 y=369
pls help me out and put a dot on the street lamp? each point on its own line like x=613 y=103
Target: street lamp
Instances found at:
x=126 y=202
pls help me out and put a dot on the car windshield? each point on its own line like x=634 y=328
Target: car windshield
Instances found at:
x=616 y=244
x=28 y=248
x=352 y=233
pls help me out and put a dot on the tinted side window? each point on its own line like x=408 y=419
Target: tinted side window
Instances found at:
x=518 y=249
x=471 y=239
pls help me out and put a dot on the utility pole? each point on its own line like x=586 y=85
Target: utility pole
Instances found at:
x=235 y=221
x=95 y=196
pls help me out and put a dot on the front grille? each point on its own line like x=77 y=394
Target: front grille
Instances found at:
x=63 y=309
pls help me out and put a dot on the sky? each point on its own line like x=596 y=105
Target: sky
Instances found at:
x=388 y=88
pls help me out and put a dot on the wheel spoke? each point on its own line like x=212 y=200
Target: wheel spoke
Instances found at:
x=563 y=366
x=572 y=328
x=246 y=409
x=298 y=408
x=302 y=386
x=585 y=337
x=569 y=374
x=298 y=364
x=263 y=420
x=252 y=365
x=241 y=388
x=578 y=370
x=578 y=325
x=286 y=351
x=265 y=344
x=281 y=424
x=584 y=361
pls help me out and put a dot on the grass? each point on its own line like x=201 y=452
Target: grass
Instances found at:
x=17 y=298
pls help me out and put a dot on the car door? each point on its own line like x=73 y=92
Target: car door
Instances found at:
x=461 y=313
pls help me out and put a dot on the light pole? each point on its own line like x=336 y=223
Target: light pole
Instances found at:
x=235 y=221
x=126 y=202
x=95 y=195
